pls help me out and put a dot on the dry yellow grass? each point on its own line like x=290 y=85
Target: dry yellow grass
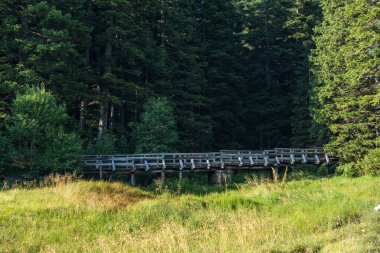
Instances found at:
x=102 y=194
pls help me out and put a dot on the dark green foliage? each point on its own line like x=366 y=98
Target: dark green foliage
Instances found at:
x=40 y=44
x=236 y=71
x=6 y=151
x=237 y=74
x=277 y=38
x=36 y=130
x=183 y=79
x=222 y=50
x=347 y=67
x=305 y=15
x=105 y=146
x=157 y=131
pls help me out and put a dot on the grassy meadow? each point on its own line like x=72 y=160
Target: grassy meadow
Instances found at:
x=311 y=215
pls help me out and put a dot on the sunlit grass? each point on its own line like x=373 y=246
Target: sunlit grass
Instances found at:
x=331 y=215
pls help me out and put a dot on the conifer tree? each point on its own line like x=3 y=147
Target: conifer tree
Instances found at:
x=185 y=82
x=36 y=130
x=157 y=131
x=222 y=50
x=40 y=44
x=305 y=15
x=270 y=72
x=347 y=66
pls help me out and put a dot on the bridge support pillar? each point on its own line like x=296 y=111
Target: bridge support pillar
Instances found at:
x=100 y=173
x=133 y=179
x=220 y=177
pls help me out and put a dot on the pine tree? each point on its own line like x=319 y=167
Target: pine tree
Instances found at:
x=184 y=81
x=347 y=66
x=36 y=131
x=114 y=60
x=304 y=17
x=222 y=50
x=277 y=38
x=157 y=131
x=270 y=72
x=40 y=45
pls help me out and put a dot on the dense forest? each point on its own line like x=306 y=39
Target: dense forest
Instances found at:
x=125 y=76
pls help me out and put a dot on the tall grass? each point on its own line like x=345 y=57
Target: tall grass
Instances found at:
x=331 y=215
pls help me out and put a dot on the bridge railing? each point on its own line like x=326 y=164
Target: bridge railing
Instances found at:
x=276 y=156
x=205 y=161
x=303 y=156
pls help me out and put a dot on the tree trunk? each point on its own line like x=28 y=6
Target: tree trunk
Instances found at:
x=112 y=117
x=82 y=117
x=162 y=17
x=103 y=119
x=104 y=100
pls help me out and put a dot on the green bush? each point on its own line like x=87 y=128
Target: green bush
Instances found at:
x=36 y=130
x=370 y=164
x=348 y=170
x=62 y=155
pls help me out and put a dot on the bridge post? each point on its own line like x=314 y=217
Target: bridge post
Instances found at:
x=100 y=173
x=163 y=176
x=181 y=166
x=133 y=179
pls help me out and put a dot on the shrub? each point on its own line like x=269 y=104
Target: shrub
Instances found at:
x=348 y=170
x=63 y=154
x=370 y=164
x=37 y=132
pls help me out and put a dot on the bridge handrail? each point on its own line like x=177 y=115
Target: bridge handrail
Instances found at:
x=209 y=159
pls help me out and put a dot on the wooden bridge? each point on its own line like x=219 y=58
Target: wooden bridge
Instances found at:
x=220 y=163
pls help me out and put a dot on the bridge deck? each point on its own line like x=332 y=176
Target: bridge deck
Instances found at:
x=188 y=162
